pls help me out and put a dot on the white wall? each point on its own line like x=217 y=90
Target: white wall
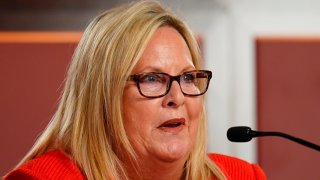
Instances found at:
x=229 y=28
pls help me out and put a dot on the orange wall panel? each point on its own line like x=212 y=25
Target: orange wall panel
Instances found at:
x=32 y=69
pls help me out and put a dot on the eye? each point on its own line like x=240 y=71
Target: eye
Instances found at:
x=151 y=78
x=188 y=77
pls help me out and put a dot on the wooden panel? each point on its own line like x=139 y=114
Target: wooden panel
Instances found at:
x=288 y=100
x=32 y=69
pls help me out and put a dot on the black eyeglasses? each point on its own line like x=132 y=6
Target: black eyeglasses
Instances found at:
x=158 y=84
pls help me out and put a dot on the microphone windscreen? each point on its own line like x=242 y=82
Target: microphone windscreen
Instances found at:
x=239 y=134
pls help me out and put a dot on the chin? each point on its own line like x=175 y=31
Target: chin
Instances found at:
x=175 y=152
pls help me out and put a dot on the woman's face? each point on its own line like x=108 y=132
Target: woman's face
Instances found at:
x=162 y=128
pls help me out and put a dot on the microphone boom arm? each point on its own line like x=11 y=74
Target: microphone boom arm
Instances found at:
x=295 y=139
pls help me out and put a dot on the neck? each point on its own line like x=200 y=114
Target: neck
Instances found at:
x=151 y=170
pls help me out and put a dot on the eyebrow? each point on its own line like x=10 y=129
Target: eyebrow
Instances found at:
x=150 y=69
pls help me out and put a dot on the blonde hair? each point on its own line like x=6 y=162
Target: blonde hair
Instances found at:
x=88 y=123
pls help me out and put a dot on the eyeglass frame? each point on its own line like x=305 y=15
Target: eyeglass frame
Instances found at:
x=136 y=78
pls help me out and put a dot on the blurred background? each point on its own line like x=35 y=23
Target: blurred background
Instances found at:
x=264 y=54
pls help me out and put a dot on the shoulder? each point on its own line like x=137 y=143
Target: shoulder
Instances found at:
x=235 y=168
x=51 y=165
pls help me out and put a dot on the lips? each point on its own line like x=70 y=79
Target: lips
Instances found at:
x=173 y=123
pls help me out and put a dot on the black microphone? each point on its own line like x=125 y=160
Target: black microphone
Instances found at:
x=245 y=134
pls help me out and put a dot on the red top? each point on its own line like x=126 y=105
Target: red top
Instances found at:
x=237 y=169
x=57 y=165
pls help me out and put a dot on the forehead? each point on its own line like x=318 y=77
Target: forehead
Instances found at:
x=166 y=51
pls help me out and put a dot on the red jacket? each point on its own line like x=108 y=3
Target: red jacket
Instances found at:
x=57 y=165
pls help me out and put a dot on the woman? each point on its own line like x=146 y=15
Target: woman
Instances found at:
x=132 y=106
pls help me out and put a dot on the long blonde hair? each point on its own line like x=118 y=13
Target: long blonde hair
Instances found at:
x=88 y=123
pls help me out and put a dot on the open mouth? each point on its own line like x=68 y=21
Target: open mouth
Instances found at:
x=173 y=123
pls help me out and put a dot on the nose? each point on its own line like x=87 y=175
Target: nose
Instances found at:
x=175 y=97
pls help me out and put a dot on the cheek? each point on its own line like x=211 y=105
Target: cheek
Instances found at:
x=194 y=109
x=130 y=108
x=137 y=113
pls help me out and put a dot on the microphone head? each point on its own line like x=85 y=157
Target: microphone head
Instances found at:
x=239 y=134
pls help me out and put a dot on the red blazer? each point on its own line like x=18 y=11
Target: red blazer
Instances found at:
x=57 y=165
